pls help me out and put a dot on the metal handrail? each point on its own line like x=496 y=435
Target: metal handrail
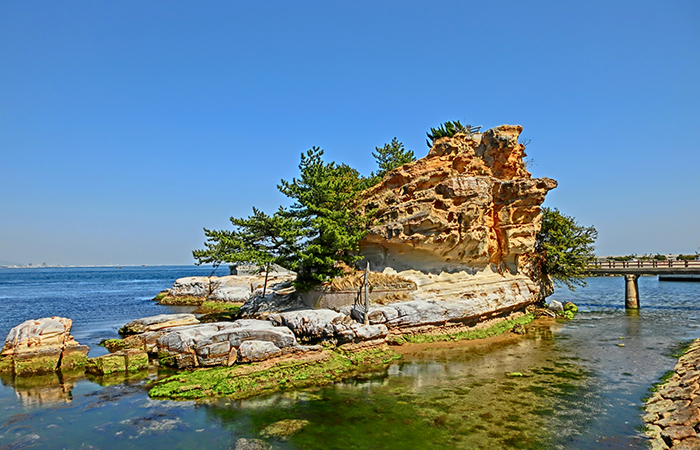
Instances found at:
x=642 y=264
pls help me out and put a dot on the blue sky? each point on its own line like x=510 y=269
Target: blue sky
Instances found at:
x=126 y=127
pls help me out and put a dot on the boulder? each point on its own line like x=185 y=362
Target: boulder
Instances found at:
x=326 y=324
x=555 y=305
x=251 y=351
x=461 y=222
x=233 y=289
x=217 y=343
x=41 y=346
x=159 y=322
x=129 y=360
x=278 y=300
x=229 y=289
x=191 y=287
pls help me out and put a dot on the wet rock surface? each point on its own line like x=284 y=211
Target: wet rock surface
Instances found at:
x=672 y=413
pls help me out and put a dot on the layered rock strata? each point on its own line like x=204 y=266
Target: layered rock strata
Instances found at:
x=461 y=222
x=673 y=412
x=42 y=346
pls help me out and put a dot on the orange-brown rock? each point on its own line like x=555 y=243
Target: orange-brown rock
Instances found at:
x=470 y=203
x=461 y=222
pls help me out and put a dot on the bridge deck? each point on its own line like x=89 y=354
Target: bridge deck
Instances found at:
x=645 y=268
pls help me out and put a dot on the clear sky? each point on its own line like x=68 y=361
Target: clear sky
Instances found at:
x=128 y=126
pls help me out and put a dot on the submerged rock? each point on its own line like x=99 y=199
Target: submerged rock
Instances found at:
x=284 y=428
x=252 y=444
x=42 y=346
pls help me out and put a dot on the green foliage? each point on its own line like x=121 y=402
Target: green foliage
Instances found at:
x=324 y=196
x=449 y=129
x=656 y=257
x=388 y=158
x=564 y=248
x=624 y=258
x=688 y=257
x=259 y=239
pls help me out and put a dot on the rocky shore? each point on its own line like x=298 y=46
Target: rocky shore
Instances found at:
x=452 y=248
x=673 y=411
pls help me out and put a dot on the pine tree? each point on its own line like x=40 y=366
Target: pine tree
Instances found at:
x=564 y=248
x=259 y=240
x=324 y=195
x=390 y=157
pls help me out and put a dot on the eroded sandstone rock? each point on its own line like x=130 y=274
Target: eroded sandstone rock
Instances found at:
x=467 y=207
x=42 y=346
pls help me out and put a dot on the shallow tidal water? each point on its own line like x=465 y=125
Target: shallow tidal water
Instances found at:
x=565 y=385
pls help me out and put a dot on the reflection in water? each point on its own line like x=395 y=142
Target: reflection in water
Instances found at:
x=512 y=394
x=43 y=390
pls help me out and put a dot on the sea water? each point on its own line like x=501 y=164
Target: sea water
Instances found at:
x=565 y=385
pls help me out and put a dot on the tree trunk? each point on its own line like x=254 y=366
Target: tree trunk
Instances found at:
x=267 y=273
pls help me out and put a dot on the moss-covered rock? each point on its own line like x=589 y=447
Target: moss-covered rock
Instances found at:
x=37 y=362
x=135 y=360
x=181 y=301
x=128 y=360
x=106 y=364
x=245 y=381
x=494 y=330
x=75 y=356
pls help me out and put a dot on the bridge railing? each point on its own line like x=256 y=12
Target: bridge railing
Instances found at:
x=642 y=264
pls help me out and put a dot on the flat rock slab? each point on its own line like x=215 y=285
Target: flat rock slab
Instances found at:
x=159 y=322
x=422 y=312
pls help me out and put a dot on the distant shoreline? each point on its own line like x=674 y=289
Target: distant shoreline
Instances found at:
x=96 y=266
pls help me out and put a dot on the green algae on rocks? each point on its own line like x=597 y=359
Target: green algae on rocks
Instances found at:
x=494 y=330
x=243 y=381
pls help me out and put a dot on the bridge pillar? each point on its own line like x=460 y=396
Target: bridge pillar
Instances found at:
x=631 y=291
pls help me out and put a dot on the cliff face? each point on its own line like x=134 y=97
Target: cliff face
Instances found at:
x=469 y=207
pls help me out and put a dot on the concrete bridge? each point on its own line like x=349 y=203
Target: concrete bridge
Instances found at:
x=631 y=270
